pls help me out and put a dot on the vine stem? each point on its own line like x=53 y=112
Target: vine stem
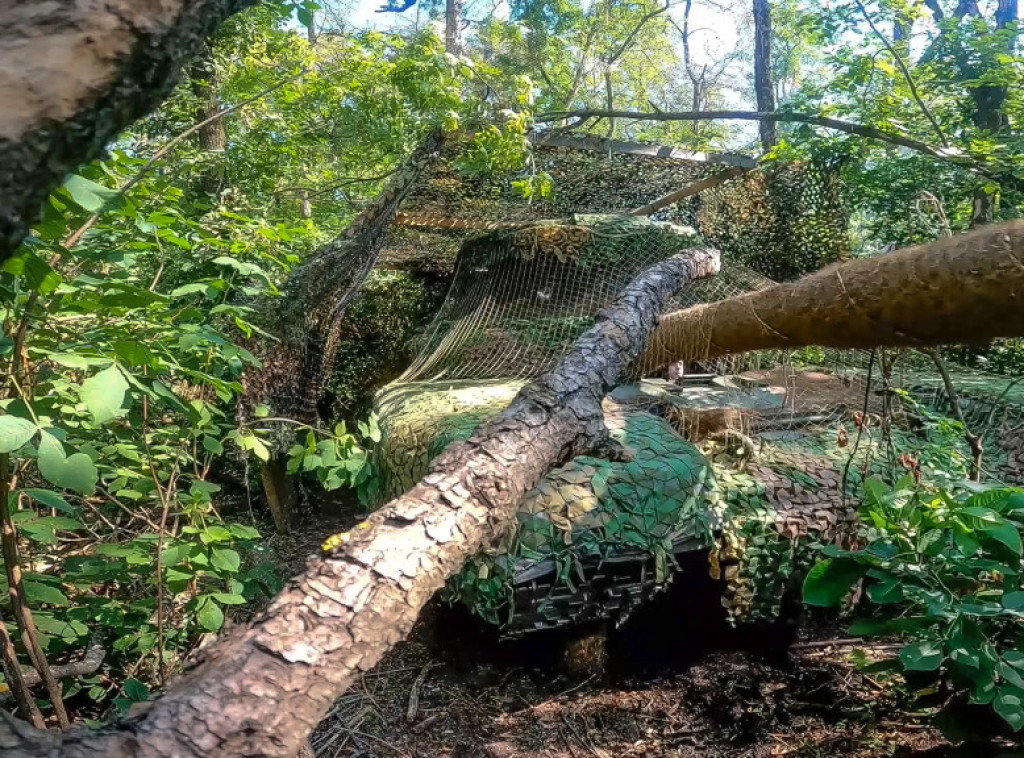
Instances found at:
x=16 y=679
x=16 y=588
x=974 y=441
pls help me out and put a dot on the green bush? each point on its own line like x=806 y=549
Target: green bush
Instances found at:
x=944 y=573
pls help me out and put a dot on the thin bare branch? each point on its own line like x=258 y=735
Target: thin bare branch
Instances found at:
x=906 y=73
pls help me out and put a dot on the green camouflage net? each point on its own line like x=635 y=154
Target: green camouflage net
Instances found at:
x=592 y=510
x=754 y=458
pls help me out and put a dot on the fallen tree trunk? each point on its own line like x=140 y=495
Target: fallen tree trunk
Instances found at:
x=73 y=75
x=260 y=690
x=964 y=289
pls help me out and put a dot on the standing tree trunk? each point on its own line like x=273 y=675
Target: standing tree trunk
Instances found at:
x=988 y=106
x=453 y=27
x=763 y=87
x=213 y=138
x=262 y=688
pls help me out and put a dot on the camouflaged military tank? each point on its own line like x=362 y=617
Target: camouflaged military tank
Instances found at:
x=705 y=474
x=596 y=538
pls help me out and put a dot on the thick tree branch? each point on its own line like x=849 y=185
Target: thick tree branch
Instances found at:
x=89 y=664
x=965 y=289
x=262 y=688
x=689 y=190
x=883 y=135
x=73 y=75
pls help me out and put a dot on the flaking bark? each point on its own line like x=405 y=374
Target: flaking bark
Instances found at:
x=260 y=690
x=964 y=289
x=73 y=75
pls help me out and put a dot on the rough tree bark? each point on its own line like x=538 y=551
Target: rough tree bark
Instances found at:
x=988 y=108
x=261 y=689
x=73 y=75
x=213 y=138
x=453 y=27
x=968 y=288
x=763 y=86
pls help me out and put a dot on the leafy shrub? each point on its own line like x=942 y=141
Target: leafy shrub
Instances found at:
x=944 y=572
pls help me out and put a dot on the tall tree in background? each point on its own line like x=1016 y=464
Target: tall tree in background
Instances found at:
x=453 y=27
x=989 y=99
x=212 y=136
x=763 y=71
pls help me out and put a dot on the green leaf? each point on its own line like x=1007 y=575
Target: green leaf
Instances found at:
x=224 y=559
x=212 y=445
x=74 y=360
x=51 y=500
x=135 y=353
x=135 y=690
x=229 y=598
x=37 y=592
x=243 y=532
x=922 y=656
x=76 y=472
x=1009 y=704
x=210 y=616
x=214 y=533
x=103 y=394
x=88 y=194
x=1014 y=601
x=1007 y=534
x=830 y=581
x=15 y=432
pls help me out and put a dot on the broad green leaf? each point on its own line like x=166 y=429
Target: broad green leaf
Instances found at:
x=76 y=472
x=212 y=445
x=135 y=690
x=51 y=500
x=229 y=598
x=922 y=656
x=1009 y=704
x=214 y=533
x=135 y=353
x=210 y=616
x=88 y=194
x=224 y=559
x=830 y=581
x=243 y=532
x=1005 y=533
x=37 y=592
x=1014 y=601
x=103 y=394
x=15 y=432
x=74 y=360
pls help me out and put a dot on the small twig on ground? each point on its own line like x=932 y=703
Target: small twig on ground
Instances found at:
x=429 y=721
x=414 y=693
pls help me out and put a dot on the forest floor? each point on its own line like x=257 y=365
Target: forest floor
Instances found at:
x=679 y=682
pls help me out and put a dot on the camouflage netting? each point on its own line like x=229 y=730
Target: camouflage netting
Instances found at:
x=755 y=457
x=783 y=220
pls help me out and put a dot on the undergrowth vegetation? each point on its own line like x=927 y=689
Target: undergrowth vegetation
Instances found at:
x=132 y=514
x=943 y=573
